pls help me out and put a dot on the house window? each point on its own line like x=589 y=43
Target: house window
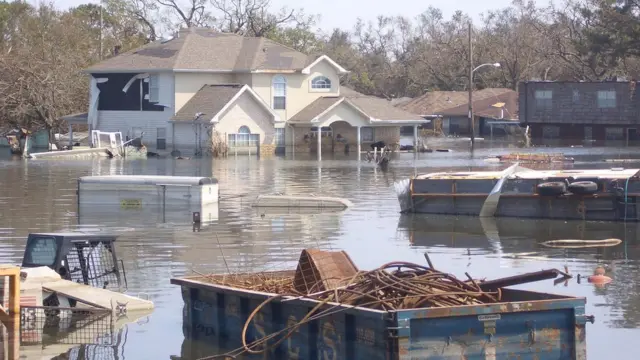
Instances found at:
x=576 y=96
x=161 y=138
x=326 y=131
x=279 y=137
x=279 y=92
x=614 y=133
x=321 y=83
x=366 y=134
x=154 y=88
x=588 y=133
x=606 y=99
x=550 y=132
x=544 y=99
x=243 y=138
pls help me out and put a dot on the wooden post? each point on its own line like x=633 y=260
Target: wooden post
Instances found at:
x=11 y=316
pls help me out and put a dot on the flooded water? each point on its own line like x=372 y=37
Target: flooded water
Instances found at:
x=39 y=196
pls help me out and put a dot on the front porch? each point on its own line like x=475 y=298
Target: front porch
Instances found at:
x=333 y=124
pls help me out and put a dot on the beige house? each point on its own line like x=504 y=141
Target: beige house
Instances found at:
x=251 y=94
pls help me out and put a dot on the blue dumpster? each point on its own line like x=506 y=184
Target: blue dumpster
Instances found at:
x=525 y=325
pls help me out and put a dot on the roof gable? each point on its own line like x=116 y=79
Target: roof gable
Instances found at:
x=212 y=100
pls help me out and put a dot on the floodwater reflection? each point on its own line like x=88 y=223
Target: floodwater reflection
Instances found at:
x=39 y=196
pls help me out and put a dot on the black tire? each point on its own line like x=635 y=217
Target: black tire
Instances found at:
x=554 y=188
x=583 y=187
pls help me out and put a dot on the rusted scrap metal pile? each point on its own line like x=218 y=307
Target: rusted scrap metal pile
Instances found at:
x=332 y=277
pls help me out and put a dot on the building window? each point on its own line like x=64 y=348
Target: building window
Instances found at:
x=279 y=137
x=614 y=133
x=544 y=99
x=279 y=92
x=606 y=99
x=550 y=132
x=161 y=138
x=321 y=83
x=576 y=96
x=154 y=88
x=243 y=138
x=588 y=133
x=326 y=131
x=366 y=134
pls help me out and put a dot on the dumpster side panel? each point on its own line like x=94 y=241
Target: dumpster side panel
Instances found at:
x=214 y=320
x=527 y=336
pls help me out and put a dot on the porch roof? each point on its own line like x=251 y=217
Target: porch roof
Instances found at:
x=377 y=111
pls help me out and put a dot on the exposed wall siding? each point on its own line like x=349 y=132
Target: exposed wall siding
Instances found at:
x=299 y=92
x=147 y=121
x=580 y=109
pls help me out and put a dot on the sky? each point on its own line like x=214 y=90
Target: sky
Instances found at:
x=343 y=13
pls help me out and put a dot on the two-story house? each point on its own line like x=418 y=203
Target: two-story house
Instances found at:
x=566 y=113
x=203 y=87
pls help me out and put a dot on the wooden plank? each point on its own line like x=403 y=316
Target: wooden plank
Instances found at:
x=97 y=297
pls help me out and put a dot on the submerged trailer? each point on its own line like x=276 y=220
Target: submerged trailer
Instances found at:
x=525 y=325
x=143 y=190
x=590 y=194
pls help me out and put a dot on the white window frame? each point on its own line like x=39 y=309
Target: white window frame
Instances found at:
x=370 y=137
x=243 y=138
x=161 y=135
x=279 y=92
x=154 y=88
x=606 y=99
x=544 y=99
x=326 y=131
x=320 y=83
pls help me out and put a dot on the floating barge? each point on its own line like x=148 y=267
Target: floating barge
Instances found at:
x=301 y=201
x=532 y=158
x=604 y=195
x=519 y=323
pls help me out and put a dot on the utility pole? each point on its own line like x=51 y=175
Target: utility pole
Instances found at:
x=471 y=122
x=101 y=26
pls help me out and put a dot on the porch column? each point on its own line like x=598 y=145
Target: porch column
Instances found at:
x=358 y=140
x=415 y=138
x=70 y=135
x=293 y=140
x=319 y=143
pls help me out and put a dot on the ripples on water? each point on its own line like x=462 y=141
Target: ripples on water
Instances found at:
x=39 y=196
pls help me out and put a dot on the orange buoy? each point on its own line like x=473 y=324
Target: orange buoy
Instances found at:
x=599 y=276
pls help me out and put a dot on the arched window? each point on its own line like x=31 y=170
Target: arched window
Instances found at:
x=243 y=138
x=279 y=92
x=320 y=82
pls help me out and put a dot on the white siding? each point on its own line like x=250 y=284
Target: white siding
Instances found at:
x=147 y=121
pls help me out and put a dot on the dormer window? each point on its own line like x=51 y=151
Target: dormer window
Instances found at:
x=321 y=83
x=279 y=84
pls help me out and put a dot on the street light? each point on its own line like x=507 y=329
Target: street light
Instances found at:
x=471 y=122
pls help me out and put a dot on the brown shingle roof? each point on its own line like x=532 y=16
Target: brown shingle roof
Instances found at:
x=206 y=49
x=314 y=109
x=485 y=107
x=209 y=100
x=374 y=107
x=435 y=102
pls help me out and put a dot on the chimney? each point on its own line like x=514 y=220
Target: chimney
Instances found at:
x=116 y=50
